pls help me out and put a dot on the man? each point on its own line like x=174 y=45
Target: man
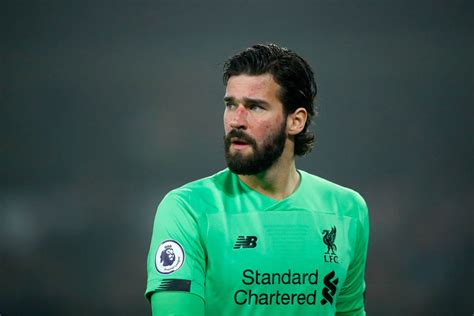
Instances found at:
x=261 y=237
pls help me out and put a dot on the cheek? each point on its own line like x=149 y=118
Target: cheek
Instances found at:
x=226 y=122
x=264 y=130
x=227 y=129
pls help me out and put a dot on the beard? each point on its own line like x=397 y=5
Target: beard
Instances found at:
x=261 y=158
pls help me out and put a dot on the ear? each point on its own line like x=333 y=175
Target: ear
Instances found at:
x=295 y=121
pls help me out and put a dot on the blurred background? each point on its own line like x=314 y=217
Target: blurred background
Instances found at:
x=105 y=106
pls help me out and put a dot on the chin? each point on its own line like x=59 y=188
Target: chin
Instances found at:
x=247 y=152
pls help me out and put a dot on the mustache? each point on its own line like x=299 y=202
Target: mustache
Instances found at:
x=237 y=133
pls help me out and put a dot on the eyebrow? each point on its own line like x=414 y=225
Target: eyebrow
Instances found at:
x=247 y=100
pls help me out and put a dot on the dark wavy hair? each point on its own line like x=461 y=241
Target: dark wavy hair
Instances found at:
x=292 y=73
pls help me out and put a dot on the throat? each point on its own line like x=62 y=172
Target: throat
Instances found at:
x=277 y=187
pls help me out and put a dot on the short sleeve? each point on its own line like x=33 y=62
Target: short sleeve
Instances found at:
x=351 y=299
x=176 y=260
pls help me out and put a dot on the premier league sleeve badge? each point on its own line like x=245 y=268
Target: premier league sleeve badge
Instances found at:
x=169 y=257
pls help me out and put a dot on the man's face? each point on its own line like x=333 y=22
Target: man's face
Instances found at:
x=254 y=124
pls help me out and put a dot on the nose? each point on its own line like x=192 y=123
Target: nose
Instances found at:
x=239 y=118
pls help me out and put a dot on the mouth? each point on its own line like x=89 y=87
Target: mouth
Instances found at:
x=239 y=143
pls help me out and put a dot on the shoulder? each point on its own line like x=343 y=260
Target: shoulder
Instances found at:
x=199 y=191
x=345 y=200
x=202 y=186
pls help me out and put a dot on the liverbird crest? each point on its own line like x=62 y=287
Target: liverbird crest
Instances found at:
x=329 y=238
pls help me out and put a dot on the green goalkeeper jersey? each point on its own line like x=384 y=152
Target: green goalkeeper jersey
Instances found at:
x=242 y=253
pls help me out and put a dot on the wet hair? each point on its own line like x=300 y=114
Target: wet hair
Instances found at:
x=292 y=73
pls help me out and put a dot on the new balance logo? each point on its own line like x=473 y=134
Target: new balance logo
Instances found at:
x=246 y=242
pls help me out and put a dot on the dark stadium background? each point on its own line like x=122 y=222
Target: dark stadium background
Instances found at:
x=105 y=106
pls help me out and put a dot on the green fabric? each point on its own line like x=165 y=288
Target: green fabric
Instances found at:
x=176 y=304
x=288 y=269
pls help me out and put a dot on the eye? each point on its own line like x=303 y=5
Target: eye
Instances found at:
x=255 y=107
x=230 y=105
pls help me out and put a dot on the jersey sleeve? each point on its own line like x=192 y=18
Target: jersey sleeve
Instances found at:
x=176 y=259
x=176 y=304
x=351 y=299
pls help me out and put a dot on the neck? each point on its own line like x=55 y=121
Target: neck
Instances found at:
x=278 y=182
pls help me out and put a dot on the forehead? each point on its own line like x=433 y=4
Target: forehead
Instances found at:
x=247 y=86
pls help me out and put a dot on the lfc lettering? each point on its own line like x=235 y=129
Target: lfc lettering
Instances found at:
x=331 y=258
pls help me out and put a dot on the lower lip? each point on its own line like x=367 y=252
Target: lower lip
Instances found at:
x=239 y=146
